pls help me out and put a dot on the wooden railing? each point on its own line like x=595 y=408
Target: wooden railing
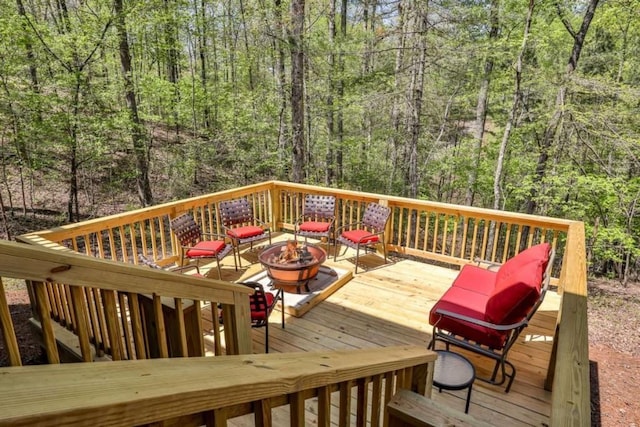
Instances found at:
x=295 y=389
x=119 y=310
x=438 y=232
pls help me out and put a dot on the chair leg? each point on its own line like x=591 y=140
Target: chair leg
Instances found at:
x=335 y=251
x=384 y=249
x=236 y=250
x=358 y=257
x=219 y=271
x=266 y=337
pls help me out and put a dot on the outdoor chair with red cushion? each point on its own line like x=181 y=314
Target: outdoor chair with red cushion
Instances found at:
x=196 y=245
x=484 y=311
x=241 y=226
x=317 y=219
x=262 y=304
x=367 y=233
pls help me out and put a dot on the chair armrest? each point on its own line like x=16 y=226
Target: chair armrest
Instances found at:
x=377 y=233
x=262 y=223
x=452 y=315
x=349 y=226
x=216 y=236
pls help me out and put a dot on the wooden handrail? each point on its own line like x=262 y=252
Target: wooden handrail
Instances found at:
x=195 y=391
x=71 y=275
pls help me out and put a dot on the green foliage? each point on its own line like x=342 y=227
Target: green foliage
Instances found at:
x=217 y=124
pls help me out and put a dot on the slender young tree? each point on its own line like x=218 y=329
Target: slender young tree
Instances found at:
x=551 y=130
x=297 y=89
x=515 y=105
x=145 y=195
x=331 y=59
x=416 y=92
x=481 y=107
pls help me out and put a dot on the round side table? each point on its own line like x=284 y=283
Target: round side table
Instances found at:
x=454 y=372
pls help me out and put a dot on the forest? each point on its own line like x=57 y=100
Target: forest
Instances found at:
x=523 y=105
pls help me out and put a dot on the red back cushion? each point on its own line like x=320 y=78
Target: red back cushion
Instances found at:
x=517 y=286
x=315 y=226
x=246 y=232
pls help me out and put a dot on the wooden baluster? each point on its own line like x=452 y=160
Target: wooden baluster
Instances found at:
x=81 y=328
x=182 y=336
x=8 y=332
x=161 y=332
x=376 y=400
x=136 y=326
x=262 y=413
x=344 y=417
x=296 y=403
x=362 y=401
x=50 y=345
x=113 y=329
x=324 y=407
x=124 y=318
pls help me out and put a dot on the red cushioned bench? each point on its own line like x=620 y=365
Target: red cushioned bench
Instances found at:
x=484 y=310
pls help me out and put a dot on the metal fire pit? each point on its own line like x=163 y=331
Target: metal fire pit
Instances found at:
x=297 y=273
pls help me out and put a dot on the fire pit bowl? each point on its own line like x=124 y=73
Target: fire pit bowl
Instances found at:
x=295 y=269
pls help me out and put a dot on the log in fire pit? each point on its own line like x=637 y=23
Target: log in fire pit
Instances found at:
x=291 y=264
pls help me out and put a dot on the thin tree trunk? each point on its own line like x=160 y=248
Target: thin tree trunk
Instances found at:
x=394 y=140
x=551 y=130
x=202 y=53
x=416 y=88
x=137 y=135
x=171 y=41
x=481 y=107
x=283 y=131
x=340 y=95
x=297 y=89
x=497 y=179
x=330 y=172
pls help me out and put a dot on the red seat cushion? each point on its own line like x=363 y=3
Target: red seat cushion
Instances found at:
x=517 y=285
x=245 y=232
x=315 y=226
x=206 y=249
x=258 y=314
x=360 y=236
x=477 y=279
x=468 y=303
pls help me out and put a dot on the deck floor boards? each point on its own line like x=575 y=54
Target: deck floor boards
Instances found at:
x=387 y=305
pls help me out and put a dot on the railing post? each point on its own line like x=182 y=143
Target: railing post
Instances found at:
x=276 y=207
x=237 y=332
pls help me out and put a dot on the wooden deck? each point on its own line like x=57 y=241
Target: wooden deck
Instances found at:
x=387 y=305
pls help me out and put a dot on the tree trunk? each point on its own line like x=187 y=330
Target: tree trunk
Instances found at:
x=283 y=131
x=297 y=89
x=341 y=83
x=417 y=85
x=481 y=107
x=394 y=140
x=137 y=135
x=512 y=113
x=330 y=173
x=551 y=129
x=202 y=52
x=171 y=43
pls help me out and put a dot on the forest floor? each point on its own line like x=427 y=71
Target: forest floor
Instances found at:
x=614 y=339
